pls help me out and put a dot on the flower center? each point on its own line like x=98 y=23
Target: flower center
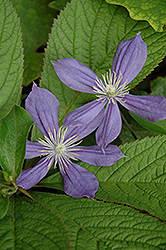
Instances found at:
x=57 y=149
x=111 y=88
x=60 y=149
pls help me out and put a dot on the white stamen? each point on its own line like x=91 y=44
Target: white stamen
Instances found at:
x=111 y=88
x=55 y=148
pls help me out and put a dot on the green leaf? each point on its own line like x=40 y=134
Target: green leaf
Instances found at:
x=148 y=125
x=90 y=31
x=4 y=204
x=58 y=4
x=11 y=58
x=36 y=20
x=13 y=135
x=137 y=179
x=63 y=222
x=151 y=10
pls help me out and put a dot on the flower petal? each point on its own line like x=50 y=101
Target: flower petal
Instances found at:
x=30 y=177
x=151 y=108
x=94 y=155
x=84 y=130
x=79 y=182
x=75 y=75
x=33 y=149
x=110 y=126
x=43 y=107
x=129 y=58
x=84 y=114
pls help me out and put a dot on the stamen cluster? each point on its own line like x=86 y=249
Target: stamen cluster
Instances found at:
x=111 y=88
x=57 y=149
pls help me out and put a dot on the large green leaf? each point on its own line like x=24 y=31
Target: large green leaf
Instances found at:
x=63 y=222
x=13 y=135
x=36 y=21
x=11 y=58
x=154 y=11
x=137 y=179
x=90 y=31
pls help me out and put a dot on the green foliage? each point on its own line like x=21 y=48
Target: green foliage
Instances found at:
x=36 y=20
x=63 y=222
x=11 y=58
x=58 y=4
x=158 y=86
x=13 y=135
x=154 y=11
x=4 y=203
x=153 y=126
x=90 y=31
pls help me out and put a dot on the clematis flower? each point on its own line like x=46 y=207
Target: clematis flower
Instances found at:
x=128 y=61
x=61 y=145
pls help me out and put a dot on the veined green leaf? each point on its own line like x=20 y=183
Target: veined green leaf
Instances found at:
x=11 y=58
x=90 y=31
x=13 y=135
x=154 y=11
x=63 y=222
x=36 y=20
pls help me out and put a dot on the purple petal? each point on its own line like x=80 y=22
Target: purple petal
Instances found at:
x=30 y=177
x=129 y=58
x=79 y=182
x=84 y=130
x=84 y=114
x=94 y=155
x=75 y=75
x=33 y=149
x=110 y=126
x=43 y=107
x=151 y=108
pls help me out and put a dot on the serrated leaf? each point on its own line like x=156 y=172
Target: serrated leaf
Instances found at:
x=151 y=10
x=90 y=31
x=63 y=222
x=13 y=135
x=153 y=126
x=36 y=20
x=4 y=203
x=137 y=180
x=11 y=58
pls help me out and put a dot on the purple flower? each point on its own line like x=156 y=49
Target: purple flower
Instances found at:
x=60 y=145
x=129 y=59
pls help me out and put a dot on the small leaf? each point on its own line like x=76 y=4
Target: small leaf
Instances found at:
x=151 y=10
x=147 y=124
x=13 y=135
x=11 y=58
x=4 y=204
x=58 y=4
